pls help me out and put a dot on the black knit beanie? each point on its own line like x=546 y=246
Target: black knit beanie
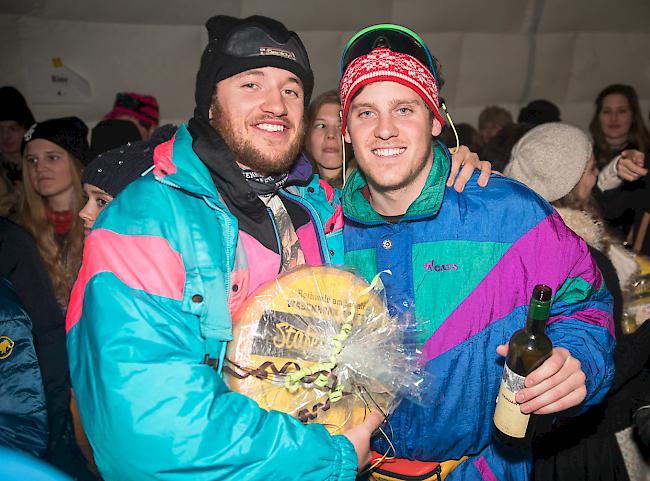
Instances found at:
x=71 y=133
x=14 y=107
x=112 y=171
x=109 y=134
x=236 y=45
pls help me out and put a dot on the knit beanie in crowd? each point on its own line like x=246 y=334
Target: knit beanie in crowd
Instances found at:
x=13 y=107
x=109 y=134
x=144 y=108
x=550 y=159
x=112 y=171
x=236 y=45
x=383 y=64
x=70 y=133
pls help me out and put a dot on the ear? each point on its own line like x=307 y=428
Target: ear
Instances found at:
x=436 y=127
x=346 y=136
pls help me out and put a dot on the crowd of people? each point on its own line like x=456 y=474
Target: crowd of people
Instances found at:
x=125 y=250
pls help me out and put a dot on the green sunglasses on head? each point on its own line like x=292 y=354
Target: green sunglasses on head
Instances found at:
x=387 y=35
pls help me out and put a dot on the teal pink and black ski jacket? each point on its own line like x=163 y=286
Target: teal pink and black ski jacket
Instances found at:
x=463 y=268
x=165 y=265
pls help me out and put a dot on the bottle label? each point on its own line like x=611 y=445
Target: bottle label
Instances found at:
x=508 y=417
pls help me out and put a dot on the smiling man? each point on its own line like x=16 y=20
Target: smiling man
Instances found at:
x=463 y=266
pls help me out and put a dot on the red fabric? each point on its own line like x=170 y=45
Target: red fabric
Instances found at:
x=335 y=222
x=62 y=221
x=329 y=190
x=382 y=64
x=162 y=158
x=405 y=468
x=141 y=262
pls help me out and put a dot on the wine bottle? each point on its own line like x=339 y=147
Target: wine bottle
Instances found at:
x=527 y=350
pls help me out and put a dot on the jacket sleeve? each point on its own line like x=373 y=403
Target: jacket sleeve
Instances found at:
x=152 y=409
x=23 y=418
x=581 y=317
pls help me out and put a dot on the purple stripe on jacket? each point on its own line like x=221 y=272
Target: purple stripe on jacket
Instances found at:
x=497 y=294
x=590 y=315
x=484 y=468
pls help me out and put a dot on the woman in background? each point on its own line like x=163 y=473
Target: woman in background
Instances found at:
x=621 y=145
x=54 y=153
x=617 y=124
x=323 y=142
x=53 y=156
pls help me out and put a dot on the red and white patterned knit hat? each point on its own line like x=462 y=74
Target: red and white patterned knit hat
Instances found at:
x=382 y=64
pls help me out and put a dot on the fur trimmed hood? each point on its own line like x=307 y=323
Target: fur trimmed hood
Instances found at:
x=593 y=231
x=586 y=226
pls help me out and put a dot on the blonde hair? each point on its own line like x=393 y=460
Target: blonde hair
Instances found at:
x=62 y=261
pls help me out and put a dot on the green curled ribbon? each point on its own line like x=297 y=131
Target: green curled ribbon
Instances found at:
x=324 y=369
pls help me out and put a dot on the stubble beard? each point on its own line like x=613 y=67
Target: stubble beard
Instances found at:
x=395 y=184
x=247 y=154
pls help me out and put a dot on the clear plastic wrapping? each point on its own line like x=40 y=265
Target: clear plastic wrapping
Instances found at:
x=318 y=343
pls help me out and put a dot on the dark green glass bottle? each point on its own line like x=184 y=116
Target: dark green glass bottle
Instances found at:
x=527 y=350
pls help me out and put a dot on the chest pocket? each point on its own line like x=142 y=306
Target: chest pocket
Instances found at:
x=206 y=262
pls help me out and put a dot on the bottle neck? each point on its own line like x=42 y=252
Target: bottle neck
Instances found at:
x=536 y=326
x=537 y=316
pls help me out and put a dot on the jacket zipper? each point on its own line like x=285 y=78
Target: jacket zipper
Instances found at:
x=324 y=250
x=277 y=236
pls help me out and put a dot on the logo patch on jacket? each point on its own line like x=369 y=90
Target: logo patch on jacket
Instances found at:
x=6 y=347
x=432 y=266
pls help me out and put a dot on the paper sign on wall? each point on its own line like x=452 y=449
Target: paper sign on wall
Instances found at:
x=53 y=82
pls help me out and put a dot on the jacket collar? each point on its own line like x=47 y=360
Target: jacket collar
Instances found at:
x=357 y=207
x=196 y=146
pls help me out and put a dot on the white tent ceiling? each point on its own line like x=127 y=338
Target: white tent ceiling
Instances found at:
x=503 y=52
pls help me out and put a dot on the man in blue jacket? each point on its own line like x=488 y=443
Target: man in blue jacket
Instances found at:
x=463 y=267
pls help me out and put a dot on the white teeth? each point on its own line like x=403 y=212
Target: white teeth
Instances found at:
x=271 y=127
x=388 y=152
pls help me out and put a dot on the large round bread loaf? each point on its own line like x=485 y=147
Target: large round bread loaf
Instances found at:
x=290 y=325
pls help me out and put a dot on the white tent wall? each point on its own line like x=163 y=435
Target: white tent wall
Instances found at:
x=503 y=52
x=155 y=59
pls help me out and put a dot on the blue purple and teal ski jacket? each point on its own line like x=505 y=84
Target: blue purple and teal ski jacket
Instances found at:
x=150 y=315
x=463 y=268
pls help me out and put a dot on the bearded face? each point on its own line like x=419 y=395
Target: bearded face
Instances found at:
x=259 y=114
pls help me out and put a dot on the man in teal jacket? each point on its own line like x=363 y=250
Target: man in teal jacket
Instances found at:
x=462 y=267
